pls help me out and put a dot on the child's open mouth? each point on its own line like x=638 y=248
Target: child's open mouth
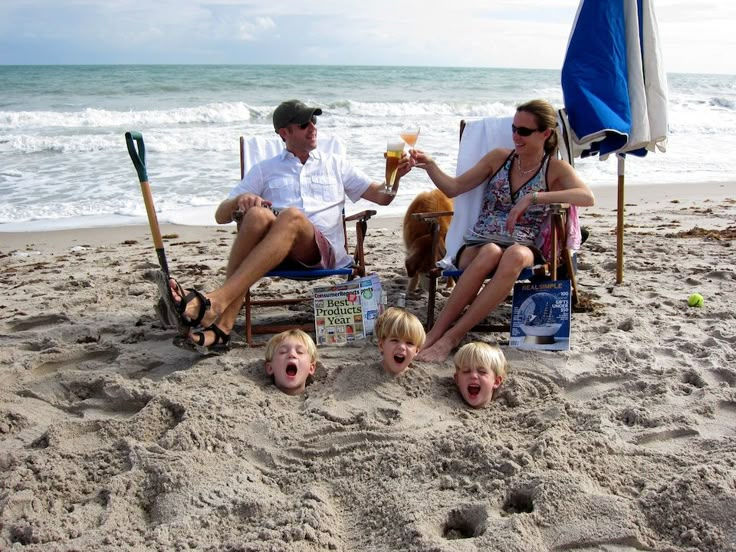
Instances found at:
x=473 y=390
x=291 y=369
x=399 y=359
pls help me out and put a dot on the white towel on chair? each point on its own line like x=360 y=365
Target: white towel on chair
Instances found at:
x=479 y=137
x=260 y=148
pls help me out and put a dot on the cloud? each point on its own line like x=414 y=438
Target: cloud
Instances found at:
x=502 y=33
x=233 y=22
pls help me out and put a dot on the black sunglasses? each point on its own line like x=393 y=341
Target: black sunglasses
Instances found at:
x=524 y=131
x=312 y=120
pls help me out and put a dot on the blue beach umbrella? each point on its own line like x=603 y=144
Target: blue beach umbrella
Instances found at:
x=615 y=88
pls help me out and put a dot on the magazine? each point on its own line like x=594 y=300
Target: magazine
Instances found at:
x=540 y=316
x=347 y=311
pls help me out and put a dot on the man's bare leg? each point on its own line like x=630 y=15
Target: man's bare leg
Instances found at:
x=290 y=235
x=251 y=231
x=513 y=261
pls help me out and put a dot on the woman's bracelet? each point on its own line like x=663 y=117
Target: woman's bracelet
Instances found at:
x=535 y=198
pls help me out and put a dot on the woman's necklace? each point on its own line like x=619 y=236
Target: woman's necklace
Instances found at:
x=522 y=172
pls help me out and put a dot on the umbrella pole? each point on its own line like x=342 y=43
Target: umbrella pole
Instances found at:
x=620 y=220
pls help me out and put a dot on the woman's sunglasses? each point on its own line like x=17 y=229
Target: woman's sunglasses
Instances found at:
x=524 y=131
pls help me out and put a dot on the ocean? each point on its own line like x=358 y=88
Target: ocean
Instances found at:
x=64 y=163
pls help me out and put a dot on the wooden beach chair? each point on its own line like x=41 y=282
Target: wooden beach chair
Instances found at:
x=478 y=137
x=252 y=151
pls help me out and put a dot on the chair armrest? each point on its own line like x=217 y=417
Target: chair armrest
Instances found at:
x=433 y=215
x=362 y=215
x=558 y=208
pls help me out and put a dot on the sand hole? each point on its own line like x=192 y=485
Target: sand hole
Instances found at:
x=22 y=535
x=693 y=378
x=466 y=522
x=519 y=501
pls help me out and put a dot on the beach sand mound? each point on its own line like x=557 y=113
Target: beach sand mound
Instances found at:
x=113 y=439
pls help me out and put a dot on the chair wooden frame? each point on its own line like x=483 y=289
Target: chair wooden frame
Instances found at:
x=558 y=212
x=358 y=269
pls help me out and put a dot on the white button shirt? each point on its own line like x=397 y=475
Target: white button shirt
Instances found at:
x=317 y=187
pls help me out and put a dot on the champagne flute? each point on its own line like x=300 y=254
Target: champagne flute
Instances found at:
x=410 y=136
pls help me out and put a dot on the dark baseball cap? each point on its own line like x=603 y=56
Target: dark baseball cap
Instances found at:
x=293 y=112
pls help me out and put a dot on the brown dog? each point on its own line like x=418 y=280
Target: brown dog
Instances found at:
x=418 y=234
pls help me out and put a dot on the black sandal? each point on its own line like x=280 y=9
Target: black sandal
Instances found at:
x=170 y=314
x=221 y=344
x=186 y=298
x=204 y=306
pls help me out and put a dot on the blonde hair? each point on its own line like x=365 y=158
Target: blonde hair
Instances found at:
x=401 y=324
x=299 y=335
x=546 y=116
x=482 y=354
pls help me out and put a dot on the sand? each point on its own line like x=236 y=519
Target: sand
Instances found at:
x=113 y=439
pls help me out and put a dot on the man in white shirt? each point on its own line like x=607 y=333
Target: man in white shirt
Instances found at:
x=291 y=207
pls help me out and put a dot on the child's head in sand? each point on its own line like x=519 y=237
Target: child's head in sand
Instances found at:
x=479 y=370
x=400 y=335
x=291 y=358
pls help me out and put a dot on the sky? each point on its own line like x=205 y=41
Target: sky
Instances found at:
x=696 y=35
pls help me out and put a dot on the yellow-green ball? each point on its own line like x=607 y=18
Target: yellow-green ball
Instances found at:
x=695 y=300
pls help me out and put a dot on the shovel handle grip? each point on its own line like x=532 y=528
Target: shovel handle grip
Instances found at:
x=137 y=156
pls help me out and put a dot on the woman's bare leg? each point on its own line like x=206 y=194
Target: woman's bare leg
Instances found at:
x=513 y=261
x=477 y=263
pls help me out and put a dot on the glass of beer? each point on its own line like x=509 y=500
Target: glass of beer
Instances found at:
x=393 y=156
x=410 y=136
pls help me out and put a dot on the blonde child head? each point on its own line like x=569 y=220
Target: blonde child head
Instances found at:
x=291 y=358
x=480 y=368
x=400 y=335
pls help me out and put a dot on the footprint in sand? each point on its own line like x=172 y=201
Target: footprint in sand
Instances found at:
x=33 y=322
x=39 y=415
x=725 y=375
x=88 y=398
x=589 y=388
x=691 y=381
x=77 y=361
x=63 y=411
x=723 y=423
x=637 y=416
x=670 y=440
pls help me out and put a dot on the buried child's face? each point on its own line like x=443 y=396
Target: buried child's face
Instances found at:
x=396 y=354
x=476 y=384
x=291 y=366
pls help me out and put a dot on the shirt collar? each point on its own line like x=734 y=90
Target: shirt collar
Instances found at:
x=314 y=154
